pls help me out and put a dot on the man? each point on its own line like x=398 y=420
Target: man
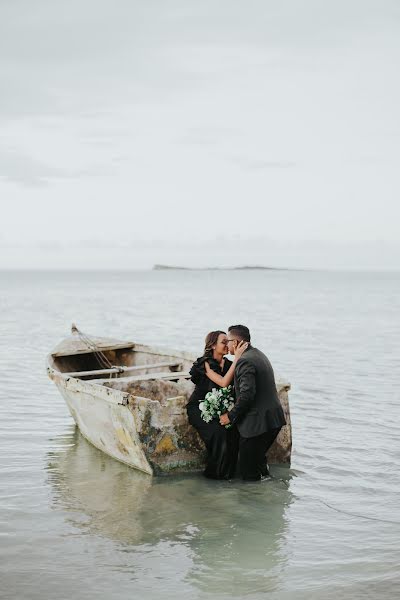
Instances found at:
x=257 y=413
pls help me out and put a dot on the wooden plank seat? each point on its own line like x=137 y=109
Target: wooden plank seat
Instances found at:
x=149 y=376
x=133 y=378
x=173 y=366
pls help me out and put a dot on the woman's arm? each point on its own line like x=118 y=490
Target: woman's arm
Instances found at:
x=228 y=377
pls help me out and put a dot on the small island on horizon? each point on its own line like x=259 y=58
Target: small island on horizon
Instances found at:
x=242 y=268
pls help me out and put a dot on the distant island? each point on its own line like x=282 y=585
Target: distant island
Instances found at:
x=244 y=268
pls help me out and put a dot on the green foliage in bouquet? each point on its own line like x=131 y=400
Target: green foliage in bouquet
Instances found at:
x=216 y=403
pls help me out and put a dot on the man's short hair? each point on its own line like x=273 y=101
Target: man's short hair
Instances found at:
x=240 y=331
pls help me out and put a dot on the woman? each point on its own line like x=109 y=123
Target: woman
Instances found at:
x=211 y=371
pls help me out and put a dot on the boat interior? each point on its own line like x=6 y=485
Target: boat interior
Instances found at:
x=138 y=370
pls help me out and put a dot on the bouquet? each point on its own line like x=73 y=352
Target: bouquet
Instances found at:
x=216 y=403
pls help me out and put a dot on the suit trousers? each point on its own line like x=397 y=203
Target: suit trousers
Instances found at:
x=253 y=454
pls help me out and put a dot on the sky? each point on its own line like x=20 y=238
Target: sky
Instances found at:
x=199 y=133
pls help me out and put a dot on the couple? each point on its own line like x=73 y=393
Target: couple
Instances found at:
x=257 y=416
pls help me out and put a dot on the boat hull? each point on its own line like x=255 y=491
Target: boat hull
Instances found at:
x=146 y=435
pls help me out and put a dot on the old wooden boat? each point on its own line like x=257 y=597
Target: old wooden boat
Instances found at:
x=129 y=399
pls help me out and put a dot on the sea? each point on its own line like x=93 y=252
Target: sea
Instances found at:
x=76 y=524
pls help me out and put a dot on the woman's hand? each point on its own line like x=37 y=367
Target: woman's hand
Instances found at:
x=240 y=348
x=228 y=377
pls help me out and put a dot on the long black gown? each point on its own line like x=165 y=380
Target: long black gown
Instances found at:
x=222 y=444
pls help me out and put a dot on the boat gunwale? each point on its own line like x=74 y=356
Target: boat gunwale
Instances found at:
x=121 y=346
x=135 y=347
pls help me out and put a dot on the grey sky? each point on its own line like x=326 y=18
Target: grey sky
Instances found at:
x=234 y=131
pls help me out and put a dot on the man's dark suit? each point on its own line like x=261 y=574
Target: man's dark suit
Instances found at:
x=257 y=413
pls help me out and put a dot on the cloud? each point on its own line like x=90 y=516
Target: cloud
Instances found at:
x=24 y=170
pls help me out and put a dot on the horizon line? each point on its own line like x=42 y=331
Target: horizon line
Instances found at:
x=184 y=269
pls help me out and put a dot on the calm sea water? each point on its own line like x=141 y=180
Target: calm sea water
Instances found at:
x=77 y=524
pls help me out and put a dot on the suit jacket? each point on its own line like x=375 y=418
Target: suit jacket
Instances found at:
x=257 y=408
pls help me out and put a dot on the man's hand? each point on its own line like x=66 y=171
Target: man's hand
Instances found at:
x=224 y=419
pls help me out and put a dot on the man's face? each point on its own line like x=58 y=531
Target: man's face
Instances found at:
x=232 y=343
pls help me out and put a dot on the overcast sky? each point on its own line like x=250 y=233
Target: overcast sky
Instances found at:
x=199 y=132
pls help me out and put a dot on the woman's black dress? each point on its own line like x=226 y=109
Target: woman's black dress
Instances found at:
x=222 y=444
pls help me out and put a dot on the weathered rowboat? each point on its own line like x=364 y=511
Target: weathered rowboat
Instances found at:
x=129 y=400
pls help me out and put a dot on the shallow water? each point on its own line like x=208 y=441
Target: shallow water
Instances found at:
x=75 y=523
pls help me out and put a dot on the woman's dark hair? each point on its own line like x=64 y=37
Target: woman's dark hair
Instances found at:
x=211 y=340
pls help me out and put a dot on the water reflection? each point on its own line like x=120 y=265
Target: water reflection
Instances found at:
x=234 y=533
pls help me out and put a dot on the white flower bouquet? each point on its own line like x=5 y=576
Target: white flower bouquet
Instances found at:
x=216 y=403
